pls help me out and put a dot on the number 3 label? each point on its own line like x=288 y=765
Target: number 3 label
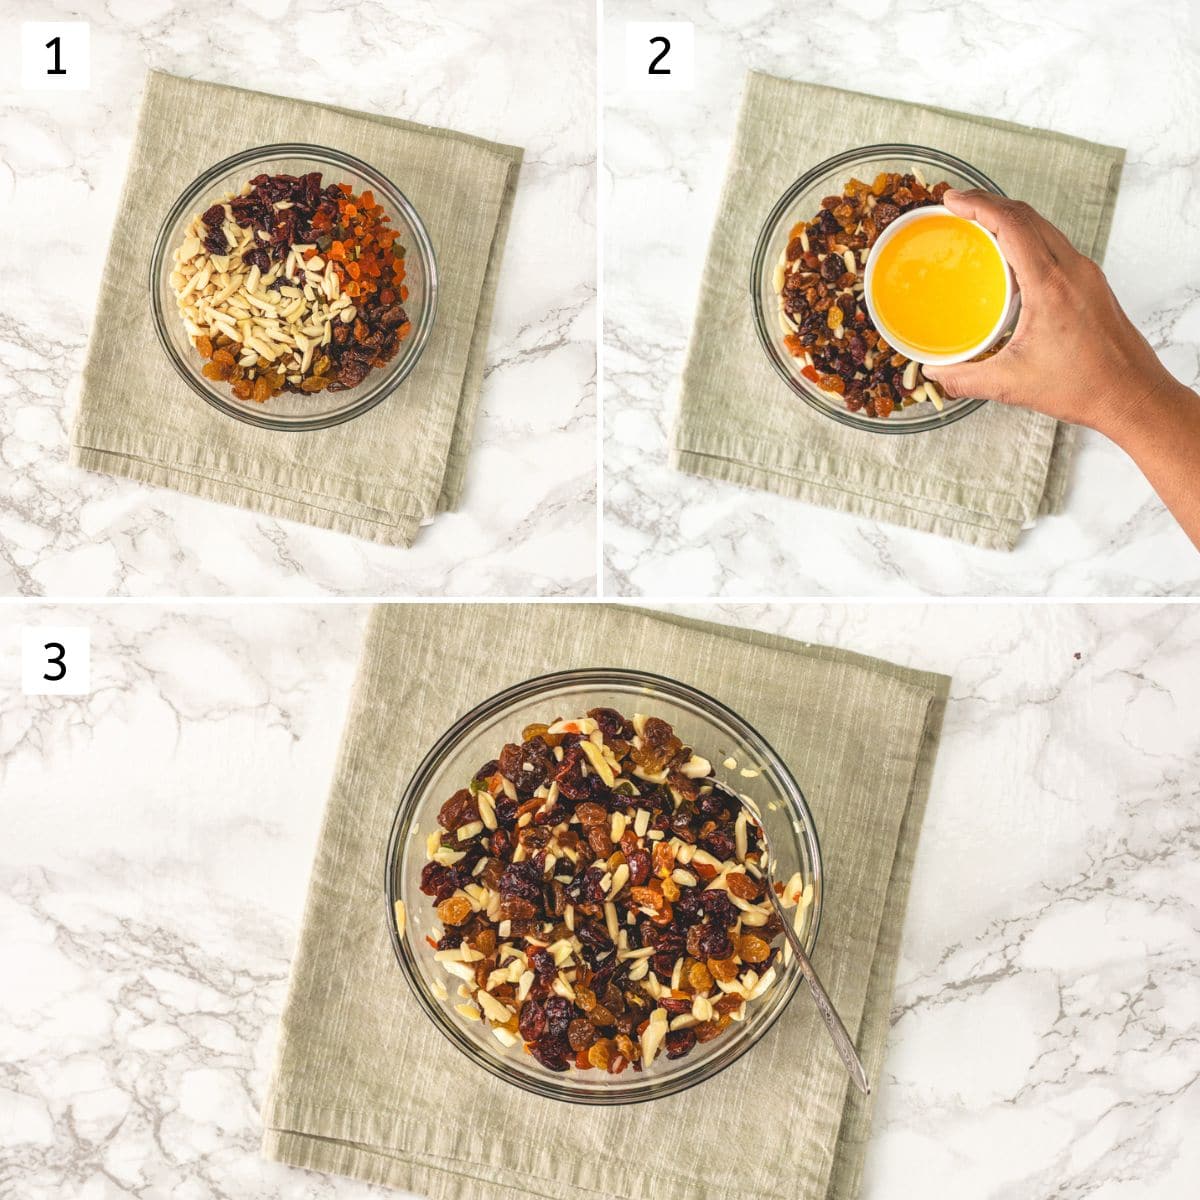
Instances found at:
x=55 y=660
x=660 y=55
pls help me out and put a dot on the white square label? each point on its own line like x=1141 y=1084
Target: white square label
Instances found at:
x=660 y=56
x=56 y=56
x=56 y=660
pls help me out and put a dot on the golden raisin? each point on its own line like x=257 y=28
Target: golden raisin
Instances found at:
x=752 y=949
x=455 y=910
x=723 y=969
x=204 y=345
x=741 y=885
x=700 y=977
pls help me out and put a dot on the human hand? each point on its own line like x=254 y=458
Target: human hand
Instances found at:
x=1075 y=355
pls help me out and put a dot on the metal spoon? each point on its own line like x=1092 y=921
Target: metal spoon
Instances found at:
x=837 y=1031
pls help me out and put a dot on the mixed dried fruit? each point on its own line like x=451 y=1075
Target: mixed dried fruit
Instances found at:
x=288 y=286
x=599 y=903
x=819 y=281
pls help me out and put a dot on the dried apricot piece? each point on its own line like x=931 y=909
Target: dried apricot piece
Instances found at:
x=663 y=858
x=600 y=1053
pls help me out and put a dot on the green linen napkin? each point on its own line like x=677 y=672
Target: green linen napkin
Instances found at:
x=364 y=1087
x=982 y=479
x=379 y=476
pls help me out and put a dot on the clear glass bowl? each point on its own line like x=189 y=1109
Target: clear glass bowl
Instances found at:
x=714 y=731
x=289 y=411
x=801 y=202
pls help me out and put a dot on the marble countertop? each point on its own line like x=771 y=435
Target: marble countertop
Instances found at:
x=1122 y=73
x=158 y=835
x=523 y=75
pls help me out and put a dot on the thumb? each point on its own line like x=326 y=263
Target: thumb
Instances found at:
x=982 y=379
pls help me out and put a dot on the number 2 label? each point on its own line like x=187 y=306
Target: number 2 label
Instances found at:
x=660 y=55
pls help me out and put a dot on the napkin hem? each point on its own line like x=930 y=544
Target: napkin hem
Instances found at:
x=1002 y=535
x=396 y=529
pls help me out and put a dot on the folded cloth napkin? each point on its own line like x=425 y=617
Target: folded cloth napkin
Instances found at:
x=363 y=1086
x=379 y=476
x=982 y=479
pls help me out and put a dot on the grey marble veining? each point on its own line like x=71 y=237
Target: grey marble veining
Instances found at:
x=158 y=836
x=523 y=74
x=1125 y=72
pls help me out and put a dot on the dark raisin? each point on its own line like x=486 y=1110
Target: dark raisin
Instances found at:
x=639 y=867
x=581 y=1033
x=459 y=810
x=832 y=267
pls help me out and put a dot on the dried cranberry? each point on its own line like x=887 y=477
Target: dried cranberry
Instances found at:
x=717 y=907
x=215 y=242
x=552 y=1053
x=558 y=1016
x=532 y=1024
x=663 y=965
x=542 y=964
x=521 y=880
x=214 y=216
x=257 y=256
x=591 y=935
x=680 y=1042
x=715 y=942
x=688 y=908
x=719 y=844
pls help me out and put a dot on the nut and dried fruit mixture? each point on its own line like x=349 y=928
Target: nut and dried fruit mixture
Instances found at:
x=819 y=281
x=600 y=904
x=288 y=286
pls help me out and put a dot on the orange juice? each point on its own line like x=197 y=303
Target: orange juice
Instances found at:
x=939 y=284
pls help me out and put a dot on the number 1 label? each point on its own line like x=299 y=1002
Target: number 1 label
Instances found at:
x=56 y=56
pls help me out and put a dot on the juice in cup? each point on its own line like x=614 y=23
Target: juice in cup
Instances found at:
x=938 y=287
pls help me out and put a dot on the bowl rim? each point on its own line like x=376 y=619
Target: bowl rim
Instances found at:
x=938 y=360
x=401 y=825
x=326 y=156
x=855 y=156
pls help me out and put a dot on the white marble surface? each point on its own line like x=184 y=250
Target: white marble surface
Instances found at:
x=158 y=836
x=521 y=73
x=1126 y=72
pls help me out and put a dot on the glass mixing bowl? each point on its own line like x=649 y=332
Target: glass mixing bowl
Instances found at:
x=704 y=723
x=289 y=411
x=801 y=202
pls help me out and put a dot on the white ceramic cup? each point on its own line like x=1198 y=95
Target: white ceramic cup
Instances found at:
x=898 y=343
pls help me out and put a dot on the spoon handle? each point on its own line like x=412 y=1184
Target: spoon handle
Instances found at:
x=837 y=1031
